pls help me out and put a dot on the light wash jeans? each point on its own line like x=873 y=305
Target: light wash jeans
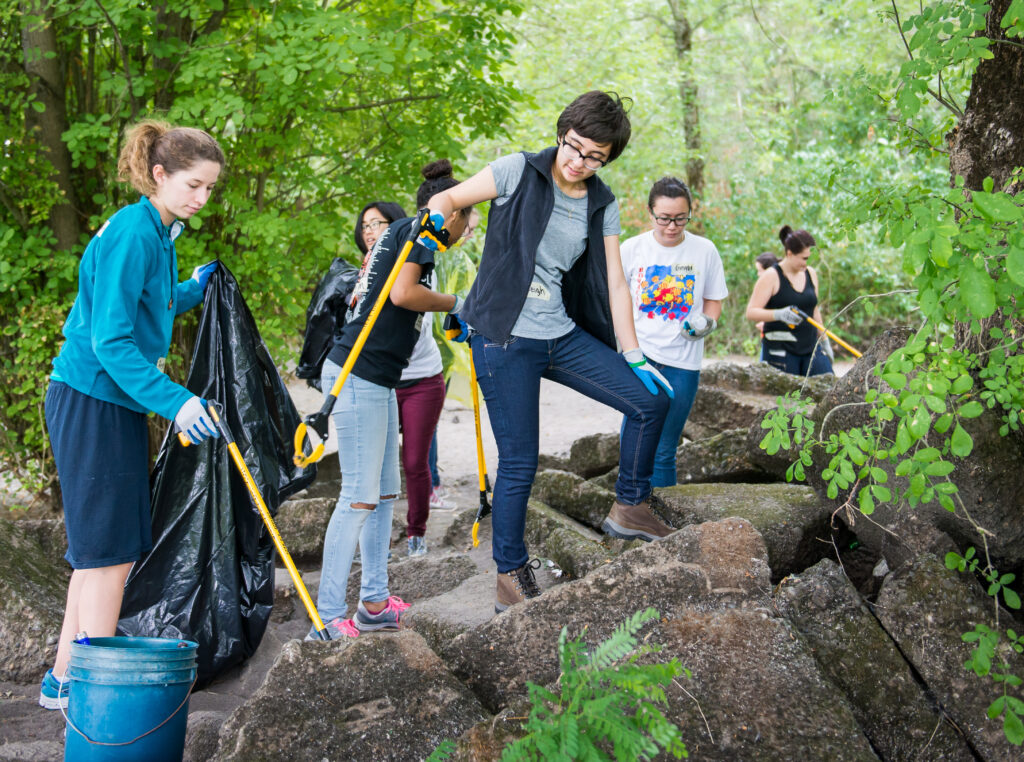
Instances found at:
x=366 y=420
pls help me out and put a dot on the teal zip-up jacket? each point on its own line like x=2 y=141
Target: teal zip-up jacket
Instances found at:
x=120 y=324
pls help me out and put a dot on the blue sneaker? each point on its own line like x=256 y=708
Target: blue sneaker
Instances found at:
x=417 y=547
x=53 y=694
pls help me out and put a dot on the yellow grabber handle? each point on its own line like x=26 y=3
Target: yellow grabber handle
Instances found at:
x=829 y=333
x=318 y=420
x=481 y=465
x=268 y=520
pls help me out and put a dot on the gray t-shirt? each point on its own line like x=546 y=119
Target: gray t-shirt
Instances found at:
x=564 y=240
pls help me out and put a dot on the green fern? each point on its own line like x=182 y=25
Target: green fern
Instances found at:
x=608 y=705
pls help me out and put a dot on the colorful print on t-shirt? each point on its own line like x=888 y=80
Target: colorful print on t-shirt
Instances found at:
x=666 y=291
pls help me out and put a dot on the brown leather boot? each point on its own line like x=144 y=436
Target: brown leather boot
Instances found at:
x=516 y=586
x=630 y=522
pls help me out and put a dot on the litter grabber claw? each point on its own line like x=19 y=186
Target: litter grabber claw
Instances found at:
x=318 y=421
x=829 y=333
x=481 y=466
x=257 y=499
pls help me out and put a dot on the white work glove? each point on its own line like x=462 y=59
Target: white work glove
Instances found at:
x=788 y=315
x=193 y=421
x=826 y=347
x=696 y=327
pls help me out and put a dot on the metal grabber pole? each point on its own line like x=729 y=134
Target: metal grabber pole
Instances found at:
x=268 y=520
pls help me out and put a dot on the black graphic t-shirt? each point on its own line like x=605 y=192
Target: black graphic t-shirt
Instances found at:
x=394 y=334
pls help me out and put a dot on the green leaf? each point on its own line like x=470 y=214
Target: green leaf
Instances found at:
x=1015 y=263
x=977 y=290
x=997 y=207
x=1013 y=728
x=971 y=410
x=1011 y=598
x=960 y=443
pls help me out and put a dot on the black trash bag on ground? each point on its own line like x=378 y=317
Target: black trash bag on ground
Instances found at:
x=210 y=575
x=326 y=308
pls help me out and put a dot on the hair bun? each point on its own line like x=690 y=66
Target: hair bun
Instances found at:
x=437 y=169
x=785 y=233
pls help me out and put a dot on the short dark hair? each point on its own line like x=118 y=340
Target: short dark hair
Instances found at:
x=795 y=240
x=669 y=187
x=766 y=259
x=389 y=210
x=598 y=116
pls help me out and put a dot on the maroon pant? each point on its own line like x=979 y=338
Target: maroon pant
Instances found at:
x=419 y=408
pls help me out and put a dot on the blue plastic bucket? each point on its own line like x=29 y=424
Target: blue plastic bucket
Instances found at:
x=129 y=699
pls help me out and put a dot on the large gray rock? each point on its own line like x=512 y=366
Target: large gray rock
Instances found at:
x=734 y=396
x=303 y=524
x=32 y=594
x=574 y=496
x=710 y=565
x=574 y=548
x=856 y=654
x=419 y=578
x=594 y=455
x=378 y=697
x=756 y=692
x=926 y=608
x=720 y=458
x=792 y=519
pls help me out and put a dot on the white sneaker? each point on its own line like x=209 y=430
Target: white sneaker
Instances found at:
x=438 y=502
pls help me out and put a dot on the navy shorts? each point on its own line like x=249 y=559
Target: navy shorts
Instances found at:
x=102 y=455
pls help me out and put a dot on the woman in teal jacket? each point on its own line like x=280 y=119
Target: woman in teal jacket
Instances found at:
x=109 y=375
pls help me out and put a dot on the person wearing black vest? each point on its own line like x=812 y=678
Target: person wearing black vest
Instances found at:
x=550 y=301
x=783 y=291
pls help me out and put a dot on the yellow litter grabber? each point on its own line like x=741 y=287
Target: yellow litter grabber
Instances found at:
x=829 y=333
x=257 y=499
x=315 y=425
x=481 y=466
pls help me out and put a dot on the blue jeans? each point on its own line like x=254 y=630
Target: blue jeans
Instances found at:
x=815 y=363
x=684 y=384
x=366 y=420
x=509 y=376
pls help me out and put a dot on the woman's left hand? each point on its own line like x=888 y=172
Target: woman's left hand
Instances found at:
x=648 y=374
x=202 y=273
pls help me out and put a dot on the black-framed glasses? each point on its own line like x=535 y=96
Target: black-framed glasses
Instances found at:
x=374 y=225
x=590 y=162
x=664 y=221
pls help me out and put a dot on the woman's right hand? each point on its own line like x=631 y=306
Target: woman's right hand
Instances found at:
x=789 y=315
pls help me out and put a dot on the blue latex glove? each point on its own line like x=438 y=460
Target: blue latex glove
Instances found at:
x=193 y=420
x=432 y=232
x=203 y=272
x=647 y=373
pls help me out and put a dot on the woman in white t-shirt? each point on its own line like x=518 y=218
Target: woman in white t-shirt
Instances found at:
x=677 y=284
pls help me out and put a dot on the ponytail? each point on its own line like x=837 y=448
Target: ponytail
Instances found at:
x=152 y=142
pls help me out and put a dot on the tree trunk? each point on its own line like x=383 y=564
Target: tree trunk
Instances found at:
x=682 y=34
x=42 y=65
x=170 y=25
x=989 y=140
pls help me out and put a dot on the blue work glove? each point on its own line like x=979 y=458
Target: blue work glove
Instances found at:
x=433 y=234
x=202 y=273
x=193 y=421
x=650 y=376
x=696 y=327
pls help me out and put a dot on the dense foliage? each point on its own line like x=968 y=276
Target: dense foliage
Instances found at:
x=319 y=106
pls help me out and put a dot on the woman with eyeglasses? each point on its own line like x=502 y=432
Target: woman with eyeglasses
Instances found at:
x=549 y=301
x=784 y=294
x=677 y=283
x=366 y=412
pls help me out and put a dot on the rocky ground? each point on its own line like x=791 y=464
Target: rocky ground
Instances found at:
x=808 y=635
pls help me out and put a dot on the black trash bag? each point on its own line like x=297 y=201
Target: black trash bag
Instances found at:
x=324 y=317
x=210 y=575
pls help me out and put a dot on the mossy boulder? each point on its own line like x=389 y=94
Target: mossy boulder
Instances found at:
x=857 y=655
x=376 y=697
x=303 y=525
x=926 y=608
x=32 y=594
x=419 y=578
x=720 y=458
x=574 y=548
x=792 y=519
x=594 y=455
x=574 y=496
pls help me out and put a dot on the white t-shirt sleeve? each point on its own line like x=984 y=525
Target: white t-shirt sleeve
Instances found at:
x=714 y=283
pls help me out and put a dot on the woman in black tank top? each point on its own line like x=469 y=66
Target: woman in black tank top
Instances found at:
x=790 y=343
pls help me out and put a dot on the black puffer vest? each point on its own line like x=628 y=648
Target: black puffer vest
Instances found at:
x=514 y=230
